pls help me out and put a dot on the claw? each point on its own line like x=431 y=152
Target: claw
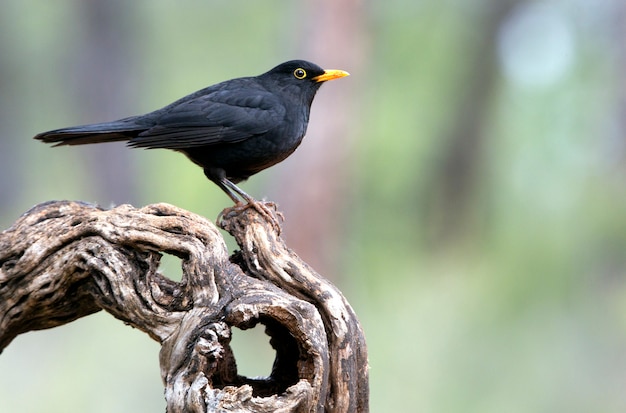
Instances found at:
x=267 y=210
x=236 y=194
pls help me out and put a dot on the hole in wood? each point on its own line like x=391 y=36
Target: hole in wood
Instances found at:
x=253 y=352
x=171 y=267
x=268 y=369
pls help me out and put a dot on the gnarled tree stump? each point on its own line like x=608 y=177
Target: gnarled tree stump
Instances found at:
x=64 y=260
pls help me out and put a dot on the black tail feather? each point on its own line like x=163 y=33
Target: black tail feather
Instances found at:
x=95 y=133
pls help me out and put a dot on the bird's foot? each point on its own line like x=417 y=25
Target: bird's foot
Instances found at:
x=267 y=210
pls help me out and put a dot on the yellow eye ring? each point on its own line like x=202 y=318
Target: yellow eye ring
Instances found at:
x=299 y=73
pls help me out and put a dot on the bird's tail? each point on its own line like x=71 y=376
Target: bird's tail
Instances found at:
x=120 y=130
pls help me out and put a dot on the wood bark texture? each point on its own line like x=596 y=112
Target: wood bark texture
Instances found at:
x=64 y=260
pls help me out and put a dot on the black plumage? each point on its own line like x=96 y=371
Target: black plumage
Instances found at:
x=233 y=129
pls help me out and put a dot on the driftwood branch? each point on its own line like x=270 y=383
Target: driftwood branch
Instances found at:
x=64 y=260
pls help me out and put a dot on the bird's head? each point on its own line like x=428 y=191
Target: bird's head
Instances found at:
x=301 y=75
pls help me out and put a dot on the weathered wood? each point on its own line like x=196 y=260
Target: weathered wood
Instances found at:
x=64 y=260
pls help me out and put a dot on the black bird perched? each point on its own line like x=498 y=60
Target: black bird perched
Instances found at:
x=233 y=129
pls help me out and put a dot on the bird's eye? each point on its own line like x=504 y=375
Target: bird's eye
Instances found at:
x=299 y=73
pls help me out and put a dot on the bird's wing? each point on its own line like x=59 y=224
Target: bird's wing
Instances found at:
x=222 y=116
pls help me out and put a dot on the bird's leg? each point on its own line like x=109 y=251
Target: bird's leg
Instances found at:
x=233 y=190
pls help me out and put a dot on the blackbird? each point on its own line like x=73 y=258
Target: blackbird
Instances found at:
x=233 y=129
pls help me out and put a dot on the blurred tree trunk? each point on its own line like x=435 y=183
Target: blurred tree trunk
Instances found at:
x=314 y=184
x=11 y=179
x=620 y=105
x=102 y=86
x=455 y=188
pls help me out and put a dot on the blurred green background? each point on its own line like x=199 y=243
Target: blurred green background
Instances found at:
x=464 y=187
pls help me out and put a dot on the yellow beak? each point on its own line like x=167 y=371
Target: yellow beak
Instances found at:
x=330 y=75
